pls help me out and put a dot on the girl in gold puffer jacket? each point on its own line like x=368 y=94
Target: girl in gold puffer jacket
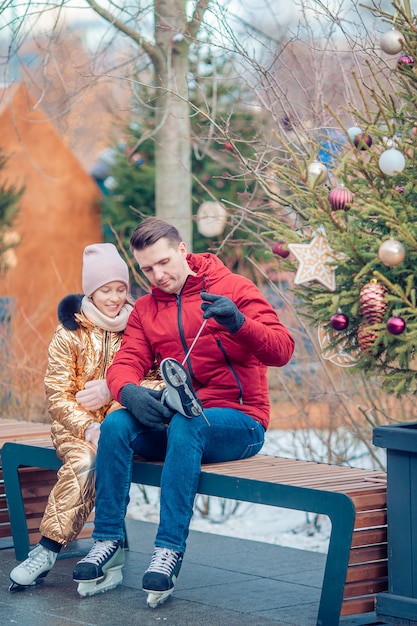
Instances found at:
x=78 y=400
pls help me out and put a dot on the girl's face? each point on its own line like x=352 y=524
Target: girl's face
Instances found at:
x=110 y=298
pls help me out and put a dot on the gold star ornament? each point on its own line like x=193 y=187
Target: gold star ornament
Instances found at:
x=317 y=261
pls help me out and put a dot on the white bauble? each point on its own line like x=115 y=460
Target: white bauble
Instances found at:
x=391 y=252
x=391 y=162
x=211 y=219
x=391 y=41
x=353 y=131
x=317 y=173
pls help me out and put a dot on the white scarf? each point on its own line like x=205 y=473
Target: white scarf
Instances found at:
x=113 y=324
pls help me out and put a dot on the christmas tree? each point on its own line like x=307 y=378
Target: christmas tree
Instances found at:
x=351 y=242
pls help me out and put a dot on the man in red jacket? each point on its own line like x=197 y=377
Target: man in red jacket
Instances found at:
x=215 y=408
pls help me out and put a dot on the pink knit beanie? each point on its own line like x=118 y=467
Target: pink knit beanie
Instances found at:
x=102 y=264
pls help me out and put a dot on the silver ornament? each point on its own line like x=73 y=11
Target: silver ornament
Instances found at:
x=391 y=41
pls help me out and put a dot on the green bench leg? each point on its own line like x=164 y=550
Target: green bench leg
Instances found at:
x=337 y=506
x=13 y=456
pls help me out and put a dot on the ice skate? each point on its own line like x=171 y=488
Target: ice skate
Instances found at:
x=101 y=569
x=159 y=579
x=33 y=570
x=179 y=394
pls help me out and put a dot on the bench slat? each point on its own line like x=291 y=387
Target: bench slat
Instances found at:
x=366 y=554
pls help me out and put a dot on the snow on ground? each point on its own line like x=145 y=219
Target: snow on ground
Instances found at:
x=295 y=529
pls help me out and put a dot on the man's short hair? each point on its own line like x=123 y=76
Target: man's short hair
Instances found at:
x=150 y=230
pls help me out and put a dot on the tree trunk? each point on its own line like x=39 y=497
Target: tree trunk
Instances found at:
x=172 y=139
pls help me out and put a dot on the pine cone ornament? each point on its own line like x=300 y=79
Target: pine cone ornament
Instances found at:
x=372 y=302
x=366 y=337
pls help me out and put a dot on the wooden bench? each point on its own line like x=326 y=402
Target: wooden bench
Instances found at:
x=353 y=499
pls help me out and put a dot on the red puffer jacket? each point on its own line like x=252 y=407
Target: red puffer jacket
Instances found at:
x=226 y=370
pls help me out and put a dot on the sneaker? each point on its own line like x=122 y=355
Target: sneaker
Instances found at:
x=34 y=569
x=101 y=569
x=159 y=579
x=179 y=394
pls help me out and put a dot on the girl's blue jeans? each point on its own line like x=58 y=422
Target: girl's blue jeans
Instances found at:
x=183 y=446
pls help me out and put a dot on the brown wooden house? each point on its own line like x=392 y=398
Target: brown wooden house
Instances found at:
x=59 y=215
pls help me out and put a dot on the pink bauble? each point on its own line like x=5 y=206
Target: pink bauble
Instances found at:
x=340 y=199
x=339 y=321
x=228 y=146
x=363 y=142
x=405 y=61
x=279 y=249
x=396 y=325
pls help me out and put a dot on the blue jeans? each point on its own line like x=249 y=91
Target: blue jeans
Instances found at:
x=183 y=446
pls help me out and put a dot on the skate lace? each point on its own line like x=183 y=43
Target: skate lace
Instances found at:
x=36 y=560
x=99 y=552
x=163 y=561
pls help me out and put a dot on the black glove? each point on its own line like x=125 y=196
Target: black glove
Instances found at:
x=143 y=404
x=223 y=310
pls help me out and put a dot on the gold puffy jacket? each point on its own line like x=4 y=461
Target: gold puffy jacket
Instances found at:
x=79 y=351
x=75 y=357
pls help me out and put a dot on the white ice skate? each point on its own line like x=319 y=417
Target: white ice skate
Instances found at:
x=161 y=575
x=33 y=570
x=101 y=569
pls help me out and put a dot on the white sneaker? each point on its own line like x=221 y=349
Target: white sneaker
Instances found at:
x=33 y=570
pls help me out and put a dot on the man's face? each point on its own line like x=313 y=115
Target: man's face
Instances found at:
x=165 y=266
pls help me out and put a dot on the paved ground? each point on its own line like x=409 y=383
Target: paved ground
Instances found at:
x=223 y=582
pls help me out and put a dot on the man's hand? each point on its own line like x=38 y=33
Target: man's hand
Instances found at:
x=223 y=310
x=145 y=406
x=95 y=395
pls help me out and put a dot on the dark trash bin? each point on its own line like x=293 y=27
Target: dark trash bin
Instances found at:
x=399 y=605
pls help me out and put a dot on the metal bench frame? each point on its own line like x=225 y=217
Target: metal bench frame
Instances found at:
x=337 y=506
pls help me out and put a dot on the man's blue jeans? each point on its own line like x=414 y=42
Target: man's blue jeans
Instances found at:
x=184 y=445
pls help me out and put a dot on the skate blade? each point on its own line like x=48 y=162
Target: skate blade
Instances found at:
x=112 y=579
x=156 y=598
x=14 y=587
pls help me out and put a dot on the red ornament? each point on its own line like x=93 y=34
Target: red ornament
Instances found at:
x=228 y=146
x=372 y=301
x=363 y=142
x=366 y=337
x=405 y=61
x=279 y=249
x=339 y=321
x=396 y=325
x=340 y=199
